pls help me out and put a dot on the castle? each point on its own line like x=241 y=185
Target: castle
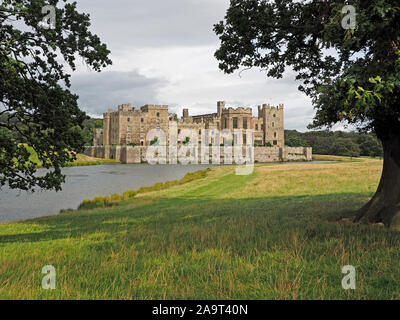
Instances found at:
x=125 y=131
x=129 y=126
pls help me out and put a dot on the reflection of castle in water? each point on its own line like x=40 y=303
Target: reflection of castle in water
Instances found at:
x=129 y=125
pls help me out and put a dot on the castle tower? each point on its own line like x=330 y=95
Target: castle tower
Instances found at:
x=273 y=118
x=106 y=130
x=220 y=107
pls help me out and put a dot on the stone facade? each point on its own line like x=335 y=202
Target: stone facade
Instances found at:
x=137 y=154
x=129 y=126
x=125 y=130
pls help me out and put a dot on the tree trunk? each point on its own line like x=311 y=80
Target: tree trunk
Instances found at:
x=385 y=204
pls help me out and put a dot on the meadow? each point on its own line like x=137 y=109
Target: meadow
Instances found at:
x=283 y=232
x=81 y=159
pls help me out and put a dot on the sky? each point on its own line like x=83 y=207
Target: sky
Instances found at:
x=163 y=53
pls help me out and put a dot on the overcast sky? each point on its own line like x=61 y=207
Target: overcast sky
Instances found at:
x=163 y=53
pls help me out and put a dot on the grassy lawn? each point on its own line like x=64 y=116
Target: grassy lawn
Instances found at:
x=82 y=160
x=271 y=235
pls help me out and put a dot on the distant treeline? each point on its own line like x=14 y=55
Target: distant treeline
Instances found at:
x=87 y=129
x=339 y=143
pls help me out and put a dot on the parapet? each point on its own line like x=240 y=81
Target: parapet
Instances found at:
x=148 y=107
x=238 y=110
x=125 y=107
x=269 y=107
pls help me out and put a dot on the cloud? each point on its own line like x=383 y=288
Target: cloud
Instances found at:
x=155 y=23
x=163 y=53
x=99 y=92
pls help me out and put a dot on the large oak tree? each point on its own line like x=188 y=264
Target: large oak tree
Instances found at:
x=352 y=75
x=36 y=105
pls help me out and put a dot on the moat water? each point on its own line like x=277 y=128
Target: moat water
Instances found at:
x=87 y=183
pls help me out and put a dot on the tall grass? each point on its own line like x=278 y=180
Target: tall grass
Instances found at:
x=109 y=201
x=276 y=234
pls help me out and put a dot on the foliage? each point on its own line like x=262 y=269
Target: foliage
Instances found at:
x=36 y=104
x=154 y=141
x=186 y=141
x=352 y=144
x=332 y=63
x=293 y=139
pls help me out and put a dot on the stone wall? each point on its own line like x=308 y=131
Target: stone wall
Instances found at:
x=128 y=154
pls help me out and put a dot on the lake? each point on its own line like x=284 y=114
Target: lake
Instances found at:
x=86 y=183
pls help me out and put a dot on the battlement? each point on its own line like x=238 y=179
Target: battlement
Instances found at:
x=125 y=107
x=129 y=125
x=237 y=110
x=269 y=107
x=148 y=107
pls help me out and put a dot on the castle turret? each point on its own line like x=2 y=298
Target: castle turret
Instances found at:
x=106 y=128
x=220 y=107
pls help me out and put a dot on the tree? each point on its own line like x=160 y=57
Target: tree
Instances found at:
x=345 y=147
x=370 y=146
x=35 y=101
x=294 y=139
x=351 y=75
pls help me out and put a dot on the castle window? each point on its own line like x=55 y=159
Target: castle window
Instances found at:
x=262 y=127
x=200 y=131
x=129 y=128
x=158 y=114
x=179 y=131
x=244 y=123
x=274 y=134
x=256 y=126
x=235 y=123
x=244 y=139
x=142 y=120
x=141 y=143
x=274 y=115
x=129 y=119
x=273 y=124
x=275 y=142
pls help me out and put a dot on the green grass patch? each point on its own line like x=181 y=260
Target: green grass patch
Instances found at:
x=109 y=201
x=276 y=234
x=82 y=160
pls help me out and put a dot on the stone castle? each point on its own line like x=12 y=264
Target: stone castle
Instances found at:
x=124 y=132
x=129 y=126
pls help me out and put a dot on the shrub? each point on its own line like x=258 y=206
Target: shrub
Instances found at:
x=107 y=201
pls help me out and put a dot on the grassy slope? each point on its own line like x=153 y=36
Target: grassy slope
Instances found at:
x=268 y=235
x=82 y=160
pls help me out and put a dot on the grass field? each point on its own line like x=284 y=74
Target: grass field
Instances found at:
x=82 y=160
x=274 y=234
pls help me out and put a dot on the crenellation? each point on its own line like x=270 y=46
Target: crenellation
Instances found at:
x=129 y=126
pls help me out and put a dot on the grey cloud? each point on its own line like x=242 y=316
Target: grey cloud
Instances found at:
x=99 y=92
x=155 y=23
